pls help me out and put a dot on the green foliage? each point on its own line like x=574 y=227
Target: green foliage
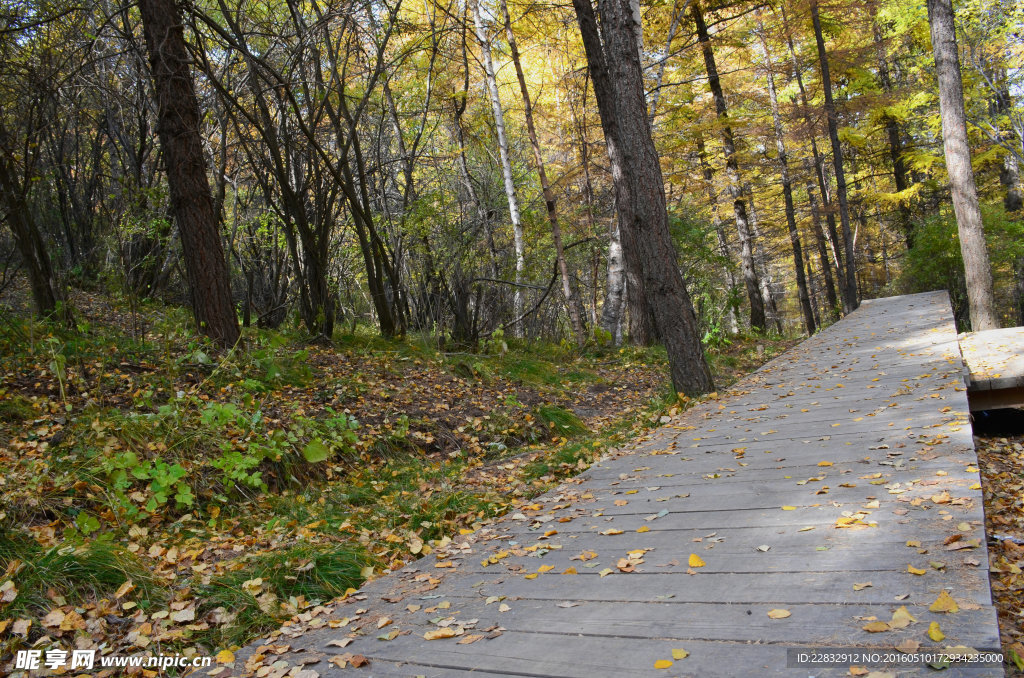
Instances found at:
x=935 y=261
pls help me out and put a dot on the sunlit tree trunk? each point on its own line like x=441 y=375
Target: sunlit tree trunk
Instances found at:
x=506 y=163
x=828 y=236
x=787 y=189
x=716 y=221
x=977 y=269
x=750 y=281
x=639 y=186
x=549 y=195
x=850 y=301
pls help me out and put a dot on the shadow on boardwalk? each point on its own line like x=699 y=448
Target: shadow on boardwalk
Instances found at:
x=835 y=489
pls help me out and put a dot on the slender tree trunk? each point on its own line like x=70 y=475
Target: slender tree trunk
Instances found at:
x=892 y=130
x=958 y=164
x=750 y=281
x=787 y=189
x=640 y=191
x=850 y=301
x=819 y=237
x=34 y=257
x=178 y=125
x=716 y=221
x=549 y=195
x=830 y=236
x=764 y=277
x=506 y=164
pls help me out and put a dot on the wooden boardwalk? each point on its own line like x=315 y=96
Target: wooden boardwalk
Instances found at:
x=808 y=489
x=995 y=365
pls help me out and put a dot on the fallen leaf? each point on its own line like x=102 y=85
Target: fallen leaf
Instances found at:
x=902 y=618
x=915 y=570
x=695 y=561
x=935 y=633
x=861 y=586
x=876 y=627
x=224 y=657
x=944 y=603
x=679 y=653
x=438 y=634
x=663 y=664
x=778 y=614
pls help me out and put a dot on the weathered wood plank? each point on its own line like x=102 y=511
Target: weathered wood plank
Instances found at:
x=713 y=483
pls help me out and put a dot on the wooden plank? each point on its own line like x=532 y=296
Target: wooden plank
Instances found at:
x=681 y=490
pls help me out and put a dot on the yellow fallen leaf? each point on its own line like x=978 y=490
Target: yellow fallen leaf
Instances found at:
x=695 y=561
x=915 y=570
x=944 y=603
x=663 y=664
x=861 y=586
x=532 y=575
x=437 y=634
x=934 y=632
x=788 y=508
x=680 y=654
x=975 y=486
x=224 y=657
x=902 y=618
x=569 y=570
x=545 y=568
x=914 y=544
x=824 y=463
x=643 y=528
x=876 y=627
x=778 y=614
x=611 y=530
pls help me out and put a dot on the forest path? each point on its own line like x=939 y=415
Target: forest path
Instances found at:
x=782 y=515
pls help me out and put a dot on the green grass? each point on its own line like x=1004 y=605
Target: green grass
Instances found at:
x=77 y=571
x=561 y=421
x=15 y=409
x=263 y=592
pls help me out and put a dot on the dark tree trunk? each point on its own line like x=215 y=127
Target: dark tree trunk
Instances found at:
x=639 y=186
x=750 y=281
x=826 y=239
x=787 y=191
x=977 y=270
x=892 y=130
x=34 y=257
x=850 y=301
x=178 y=124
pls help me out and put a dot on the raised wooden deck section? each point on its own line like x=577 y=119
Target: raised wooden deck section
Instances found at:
x=995 y=365
x=810 y=488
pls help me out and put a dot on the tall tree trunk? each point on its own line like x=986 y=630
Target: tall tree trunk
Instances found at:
x=850 y=301
x=506 y=164
x=787 y=189
x=977 y=270
x=178 y=125
x=829 y=235
x=549 y=196
x=639 y=186
x=823 y=250
x=750 y=281
x=892 y=130
x=716 y=221
x=27 y=238
x=764 y=277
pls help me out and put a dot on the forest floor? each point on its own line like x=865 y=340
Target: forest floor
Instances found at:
x=158 y=497
x=1002 y=471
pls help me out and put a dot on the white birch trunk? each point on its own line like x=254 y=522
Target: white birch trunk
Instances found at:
x=506 y=165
